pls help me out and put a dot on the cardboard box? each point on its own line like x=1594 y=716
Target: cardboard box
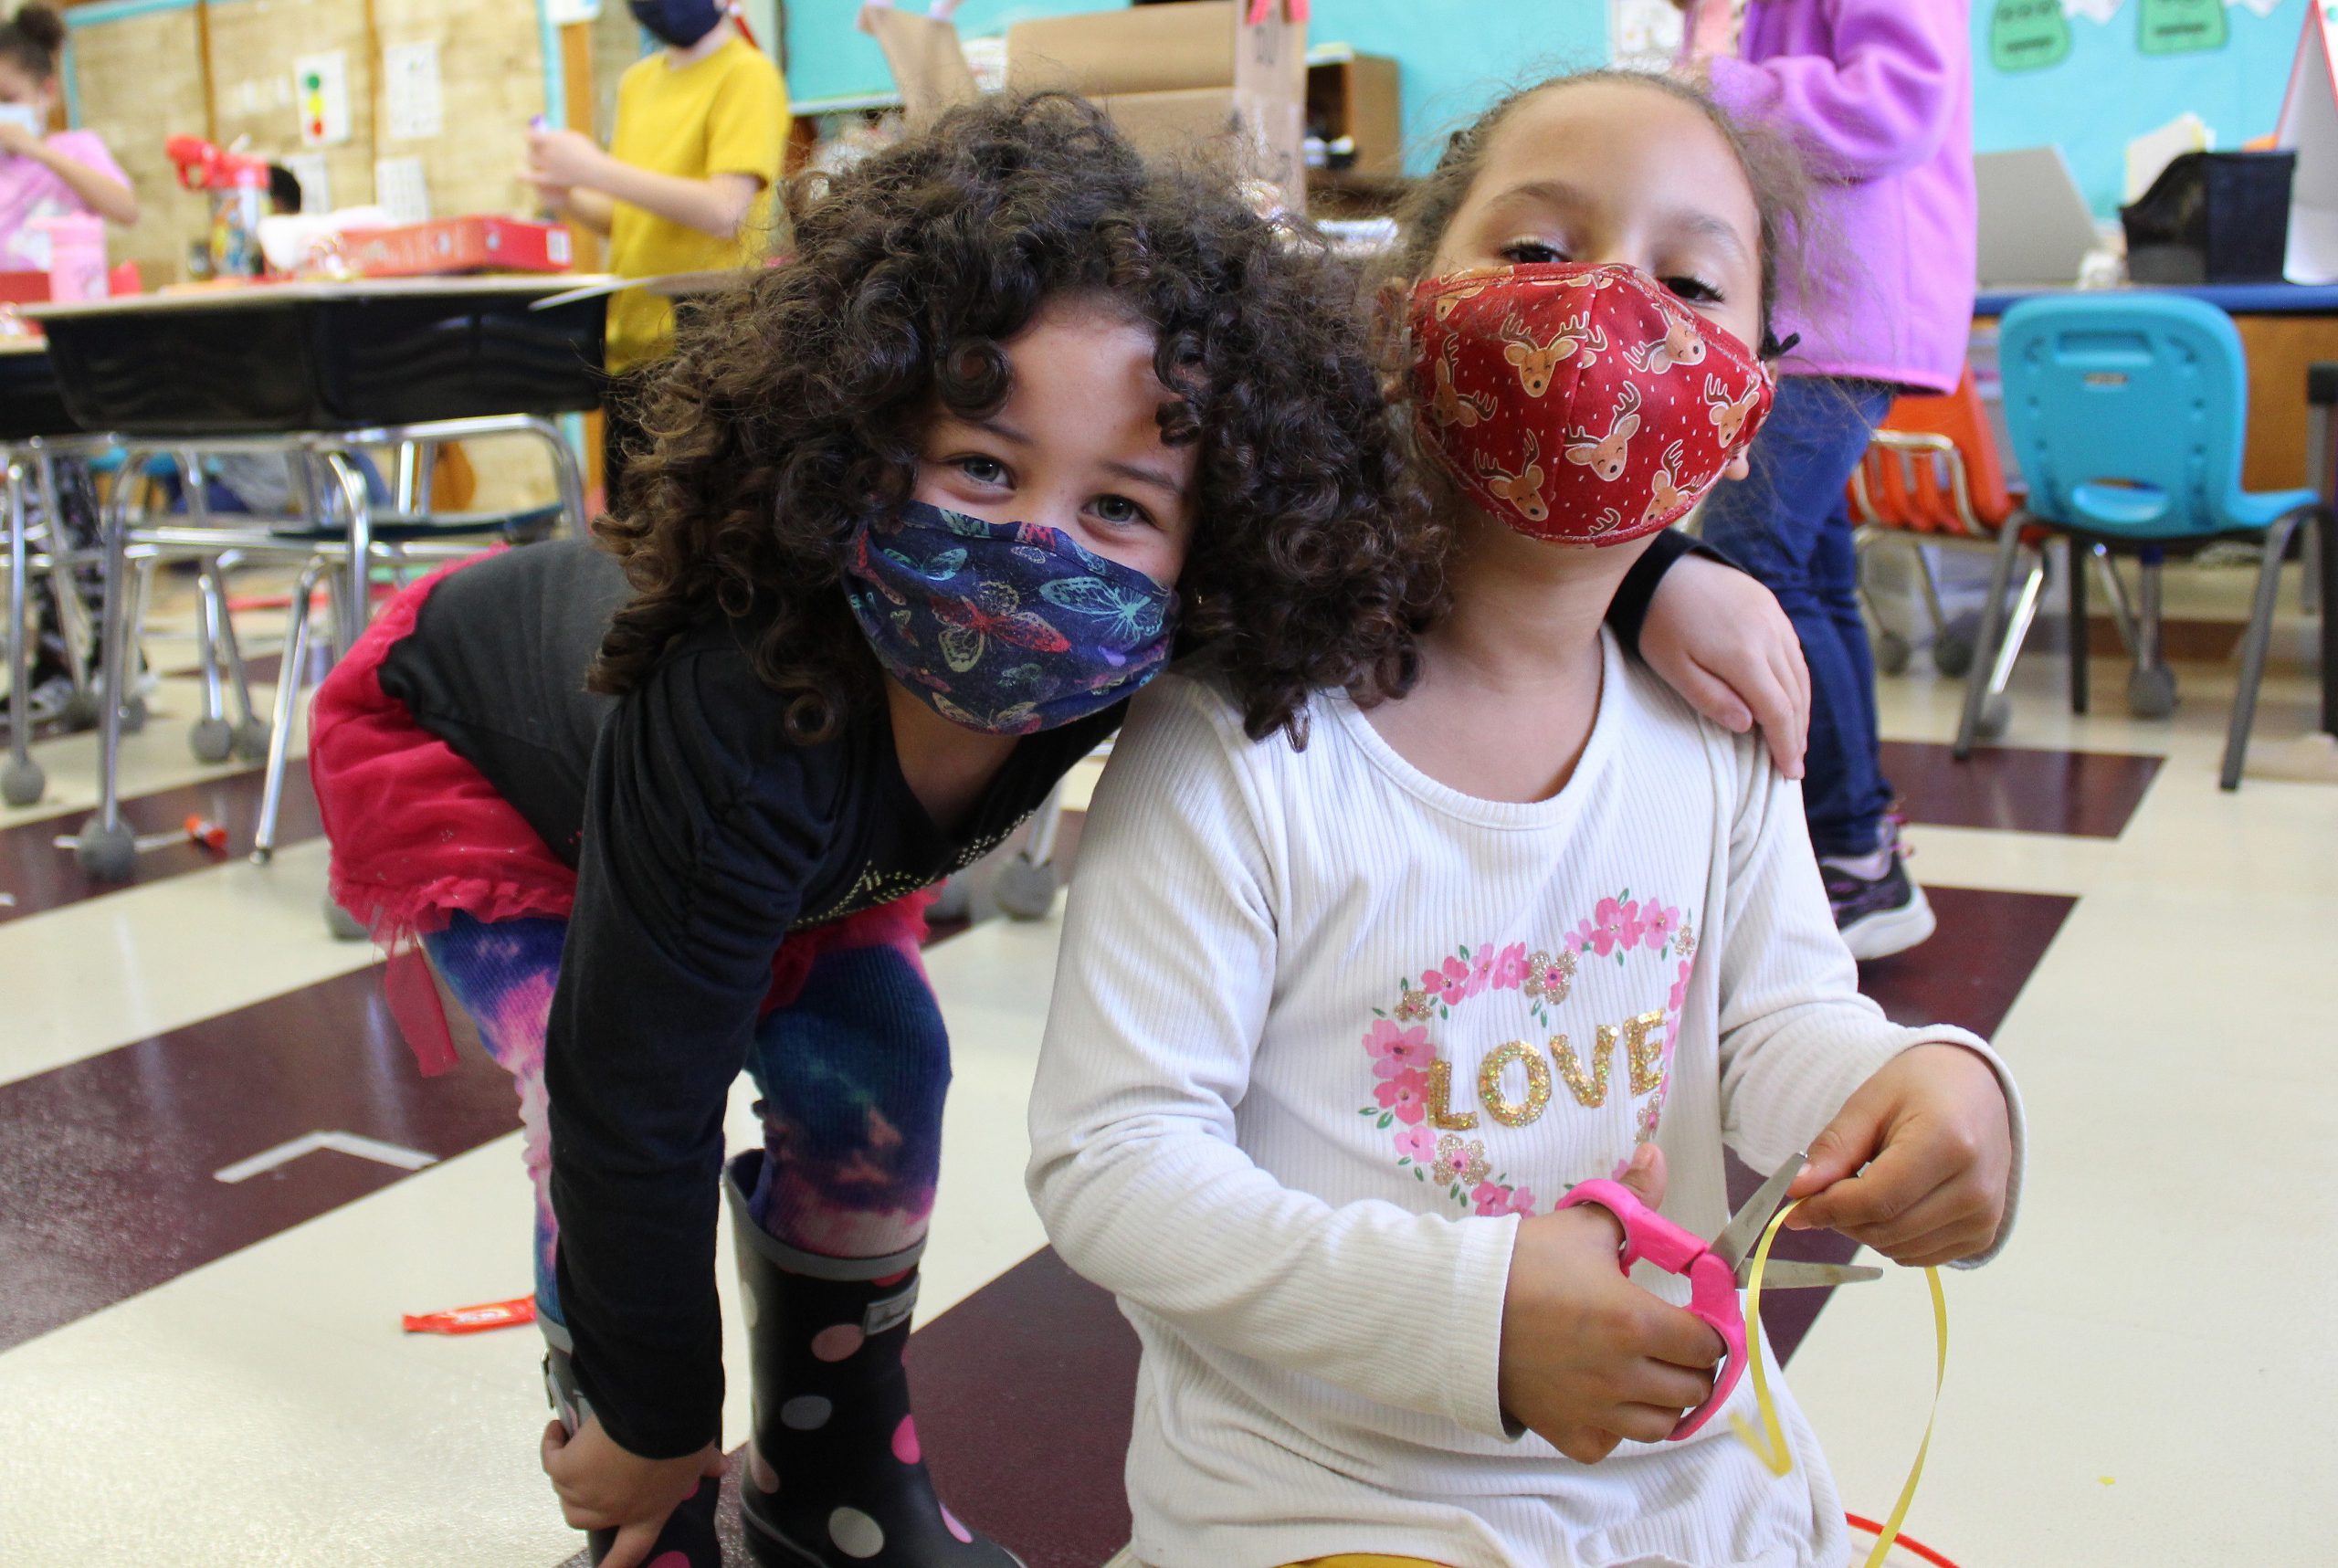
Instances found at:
x=460 y=244
x=1174 y=76
x=1145 y=48
x=928 y=62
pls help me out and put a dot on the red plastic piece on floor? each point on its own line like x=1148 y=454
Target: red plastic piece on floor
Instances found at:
x=474 y=1320
x=208 y=834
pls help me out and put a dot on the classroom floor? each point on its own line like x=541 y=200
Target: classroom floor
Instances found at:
x=205 y=1371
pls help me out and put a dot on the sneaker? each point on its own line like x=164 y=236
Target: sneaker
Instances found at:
x=1877 y=914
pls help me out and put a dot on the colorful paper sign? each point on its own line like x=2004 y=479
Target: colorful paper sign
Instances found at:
x=2182 y=27
x=2028 y=35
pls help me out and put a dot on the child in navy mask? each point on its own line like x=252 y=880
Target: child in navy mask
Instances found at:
x=923 y=509
x=701 y=125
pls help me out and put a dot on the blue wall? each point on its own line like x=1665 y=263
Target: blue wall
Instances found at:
x=2108 y=92
x=1455 y=55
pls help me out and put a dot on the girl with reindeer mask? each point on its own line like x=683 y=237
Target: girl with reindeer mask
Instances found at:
x=1335 y=1029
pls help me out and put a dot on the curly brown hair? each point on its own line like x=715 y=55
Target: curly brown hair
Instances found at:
x=791 y=411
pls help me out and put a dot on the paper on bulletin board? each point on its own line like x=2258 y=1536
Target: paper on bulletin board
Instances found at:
x=1644 y=35
x=2181 y=26
x=412 y=101
x=402 y=190
x=560 y=13
x=2028 y=35
x=320 y=89
x=2309 y=127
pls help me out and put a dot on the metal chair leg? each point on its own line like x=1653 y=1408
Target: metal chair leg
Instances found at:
x=210 y=610
x=23 y=782
x=2122 y=614
x=1977 y=680
x=288 y=709
x=567 y=472
x=105 y=847
x=2253 y=648
x=72 y=614
x=2025 y=612
x=2074 y=558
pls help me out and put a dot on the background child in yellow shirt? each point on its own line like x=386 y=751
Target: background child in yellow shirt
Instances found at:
x=700 y=128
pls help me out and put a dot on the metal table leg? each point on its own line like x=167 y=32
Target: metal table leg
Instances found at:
x=106 y=847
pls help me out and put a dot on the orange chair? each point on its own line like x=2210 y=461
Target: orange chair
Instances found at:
x=1932 y=476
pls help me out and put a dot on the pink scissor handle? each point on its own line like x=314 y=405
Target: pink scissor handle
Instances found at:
x=1712 y=1286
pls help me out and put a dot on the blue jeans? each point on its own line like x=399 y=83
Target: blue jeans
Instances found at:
x=1787 y=524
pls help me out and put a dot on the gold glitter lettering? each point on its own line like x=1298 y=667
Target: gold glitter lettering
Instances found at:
x=1440 y=1100
x=1589 y=1087
x=1644 y=1048
x=1513 y=1113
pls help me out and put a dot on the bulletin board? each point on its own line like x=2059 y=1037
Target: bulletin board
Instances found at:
x=2090 y=75
x=1453 y=56
x=133 y=75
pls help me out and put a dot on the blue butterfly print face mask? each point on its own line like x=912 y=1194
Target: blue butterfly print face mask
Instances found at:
x=1005 y=627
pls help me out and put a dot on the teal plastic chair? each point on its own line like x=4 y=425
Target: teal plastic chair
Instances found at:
x=2127 y=413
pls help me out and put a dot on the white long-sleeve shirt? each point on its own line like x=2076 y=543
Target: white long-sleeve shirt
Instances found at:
x=1241 y=1125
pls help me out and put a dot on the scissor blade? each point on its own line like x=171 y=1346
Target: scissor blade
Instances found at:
x=1744 y=1227
x=1781 y=1275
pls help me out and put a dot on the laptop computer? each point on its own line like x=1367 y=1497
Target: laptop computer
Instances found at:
x=2036 y=229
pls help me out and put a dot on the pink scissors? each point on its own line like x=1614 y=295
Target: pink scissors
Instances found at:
x=1714 y=1269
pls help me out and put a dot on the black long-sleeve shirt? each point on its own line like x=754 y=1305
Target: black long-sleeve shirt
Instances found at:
x=701 y=836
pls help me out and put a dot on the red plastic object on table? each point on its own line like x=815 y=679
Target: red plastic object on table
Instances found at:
x=460 y=244
x=473 y=1320
x=205 y=167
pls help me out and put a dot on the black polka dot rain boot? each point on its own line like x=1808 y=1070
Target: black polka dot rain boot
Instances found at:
x=834 y=1475
x=689 y=1540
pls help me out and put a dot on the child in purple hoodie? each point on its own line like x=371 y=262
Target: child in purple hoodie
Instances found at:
x=1878 y=96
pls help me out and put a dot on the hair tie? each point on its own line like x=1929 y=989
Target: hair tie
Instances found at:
x=1773 y=349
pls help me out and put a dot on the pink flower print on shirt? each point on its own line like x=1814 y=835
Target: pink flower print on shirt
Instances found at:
x=1492 y=1198
x=1680 y=995
x=1393 y=1049
x=1407 y=1094
x=1460 y=1162
x=1417 y=1144
x=1449 y=981
x=1548 y=975
x=1510 y=968
x=1657 y=923
x=1606 y=930
x=1481 y=971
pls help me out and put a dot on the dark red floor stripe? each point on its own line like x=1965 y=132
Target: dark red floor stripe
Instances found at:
x=107 y=1161
x=2085 y=795
x=43 y=877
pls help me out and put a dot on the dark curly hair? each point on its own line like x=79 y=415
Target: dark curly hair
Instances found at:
x=791 y=409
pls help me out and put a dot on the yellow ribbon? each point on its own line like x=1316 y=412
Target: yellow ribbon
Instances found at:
x=1769 y=1444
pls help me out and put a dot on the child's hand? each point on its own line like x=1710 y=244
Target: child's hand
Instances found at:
x=567 y=158
x=1719 y=639
x=1588 y=1358
x=603 y=1487
x=1935 y=1138
x=15 y=139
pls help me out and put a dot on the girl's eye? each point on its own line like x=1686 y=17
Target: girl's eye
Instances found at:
x=1530 y=253
x=1120 y=511
x=983 y=471
x=1696 y=290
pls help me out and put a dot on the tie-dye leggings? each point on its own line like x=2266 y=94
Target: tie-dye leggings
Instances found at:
x=852 y=1063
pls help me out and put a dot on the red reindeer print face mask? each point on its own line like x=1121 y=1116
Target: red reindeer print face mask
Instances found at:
x=1579 y=404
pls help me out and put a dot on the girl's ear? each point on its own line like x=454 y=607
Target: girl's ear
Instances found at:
x=1740 y=468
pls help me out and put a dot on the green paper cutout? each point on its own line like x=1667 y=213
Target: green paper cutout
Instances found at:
x=2028 y=35
x=2182 y=27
